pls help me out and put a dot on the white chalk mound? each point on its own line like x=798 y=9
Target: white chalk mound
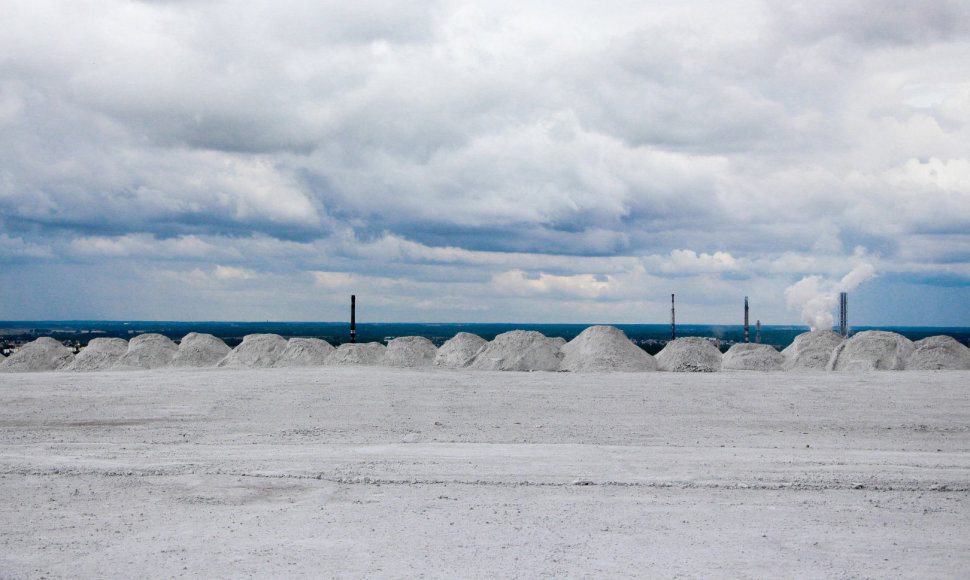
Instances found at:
x=520 y=350
x=691 y=354
x=937 y=353
x=43 y=354
x=605 y=349
x=750 y=356
x=200 y=350
x=305 y=352
x=99 y=354
x=872 y=350
x=255 y=351
x=811 y=350
x=459 y=350
x=410 y=351
x=148 y=351
x=357 y=353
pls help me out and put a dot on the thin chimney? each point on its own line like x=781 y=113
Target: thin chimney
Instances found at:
x=746 y=335
x=673 y=319
x=353 y=318
x=844 y=314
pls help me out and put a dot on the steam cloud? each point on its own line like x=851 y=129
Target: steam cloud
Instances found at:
x=817 y=297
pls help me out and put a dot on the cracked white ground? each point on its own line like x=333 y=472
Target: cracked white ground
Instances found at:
x=351 y=472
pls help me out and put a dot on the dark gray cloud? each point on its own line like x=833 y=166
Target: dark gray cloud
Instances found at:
x=875 y=22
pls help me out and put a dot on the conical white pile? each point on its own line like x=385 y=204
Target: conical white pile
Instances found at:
x=99 y=354
x=305 y=352
x=255 y=351
x=811 y=350
x=605 y=349
x=938 y=353
x=520 y=350
x=689 y=354
x=357 y=353
x=200 y=350
x=872 y=350
x=749 y=356
x=148 y=351
x=410 y=351
x=459 y=351
x=43 y=354
x=596 y=349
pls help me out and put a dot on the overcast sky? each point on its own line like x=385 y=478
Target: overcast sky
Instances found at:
x=446 y=160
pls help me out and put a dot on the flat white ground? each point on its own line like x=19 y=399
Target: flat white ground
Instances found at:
x=351 y=472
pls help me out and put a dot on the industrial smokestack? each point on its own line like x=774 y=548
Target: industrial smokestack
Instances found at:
x=746 y=336
x=673 y=319
x=353 y=318
x=816 y=296
x=844 y=314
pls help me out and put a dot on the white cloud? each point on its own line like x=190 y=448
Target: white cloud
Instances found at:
x=815 y=297
x=233 y=273
x=134 y=245
x=11 y=247
x=949 y=175
x=861 y=273
x=689 y=261
x=597 y=152
x=815 y=304
x=347 y=281
x=580 y=285
x=334 y=280
x=451 y=304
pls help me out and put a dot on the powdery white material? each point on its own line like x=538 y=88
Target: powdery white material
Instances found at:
x=43 y=354
x=605 y=349
x=305 y=352
x=148 y=351
x=520 y=350
x=200 y=350
x=410 y=351
x=689 y=354
x=357 y=353
x=256 y=351
x=429 y=472
x=750 y=356
x=99 y=354
x=811 y=350
x=459 y=351
x=938 y=353
x=872 y=350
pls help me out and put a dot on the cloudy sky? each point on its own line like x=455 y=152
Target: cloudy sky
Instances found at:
x=448 y=160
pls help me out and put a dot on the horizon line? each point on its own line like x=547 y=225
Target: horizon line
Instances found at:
x=667 y=324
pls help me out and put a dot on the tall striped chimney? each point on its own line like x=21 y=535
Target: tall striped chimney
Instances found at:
x=746 y=335
x=844 y=314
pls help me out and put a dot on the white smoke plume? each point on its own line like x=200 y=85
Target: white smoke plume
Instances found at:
x=817 y=297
